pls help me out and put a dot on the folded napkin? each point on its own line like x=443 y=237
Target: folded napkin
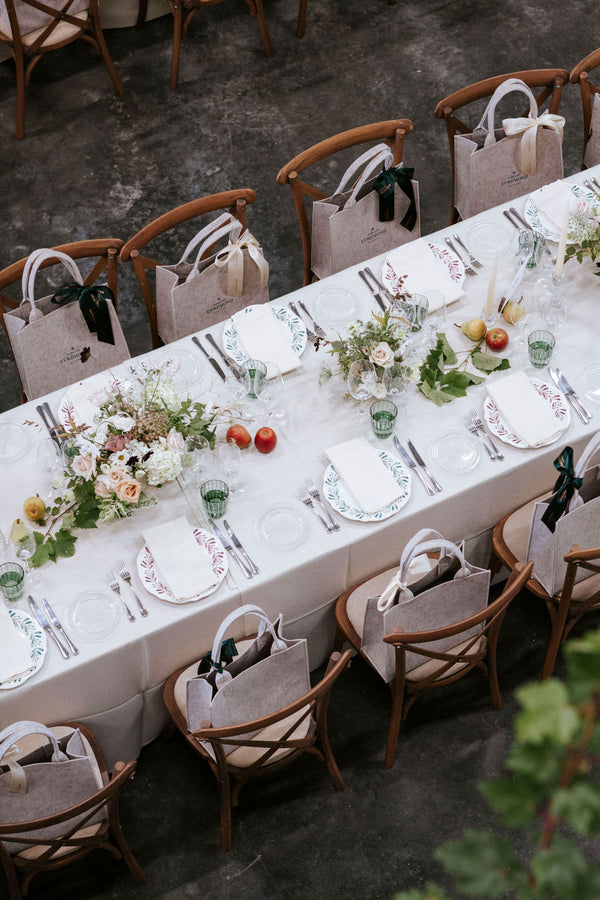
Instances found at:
x=181 y=561
x=522 y=408
x=264 y=337
x=364 y=473
x=15 y=659
x=553 y=201
x=424 y=271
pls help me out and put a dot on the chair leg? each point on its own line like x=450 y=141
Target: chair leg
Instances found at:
x=142 y=10
x=20 y=72
x=177 y=11
x=395 y=722
x=262 y=24
x=553 y=647
x=301 y=19
x=110 y=66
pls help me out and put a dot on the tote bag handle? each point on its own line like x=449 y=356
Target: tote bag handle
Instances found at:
x=31 y=269
x=265 y=625
x=369 y=162
x=10 y=736
x=208 y=230
x=489 y=115
x=231 y=228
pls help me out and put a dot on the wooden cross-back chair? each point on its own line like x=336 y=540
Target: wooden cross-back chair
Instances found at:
x=262 y=745
x=183 y=12
x=104 y=250
x=471 y=650
x=35 y=854
x=576 y=598
x=392 y=132
x=229 y=201
x=550 y=83
x=581 y=75
x=34 y=27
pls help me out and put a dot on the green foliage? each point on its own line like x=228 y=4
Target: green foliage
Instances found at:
x=552 y=795
x=364 y=336
x=50 y=548
x=442 y=378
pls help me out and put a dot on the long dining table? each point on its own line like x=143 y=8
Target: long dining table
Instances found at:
x=115 y=686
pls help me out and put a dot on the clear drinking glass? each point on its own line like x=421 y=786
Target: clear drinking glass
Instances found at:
x=229 y=463
x=12 y=581
x=519 y=314
x=383 y=417
x=395 y=380
x=254 y=373
x=361 y=381
x=540 y=345
x=215 y=494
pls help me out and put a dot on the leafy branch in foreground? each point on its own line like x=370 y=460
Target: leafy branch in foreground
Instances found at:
x=552 y=794
x=442 y=377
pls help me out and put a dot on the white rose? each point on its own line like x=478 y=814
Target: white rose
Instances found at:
x=122 y=422
x=382 y=355
x=175 y=441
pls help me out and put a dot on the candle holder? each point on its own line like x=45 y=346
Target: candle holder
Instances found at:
x=490 y=318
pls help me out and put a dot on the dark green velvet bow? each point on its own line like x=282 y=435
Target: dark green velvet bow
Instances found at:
x=565 y=487
x=228 y=651
x=93 y=304
x=384 y=185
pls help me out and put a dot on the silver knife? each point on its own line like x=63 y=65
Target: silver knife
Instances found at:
x=231 y=549
x=387 y=294
x=412 y=465
x=53 y=618
x=421 y=462
x=228 y=362
x=238 y=546
x=53 y=430
x=565 y=388
x=46 y=626
x=527 y=227
x=375 y=293
x=210 y=358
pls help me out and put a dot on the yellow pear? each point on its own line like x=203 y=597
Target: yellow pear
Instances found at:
x=34 y=508
x=19 y=532
x=512 y=312
x=474 y=329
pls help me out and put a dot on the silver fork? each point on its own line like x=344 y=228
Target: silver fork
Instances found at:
x=114 y=586
x=468 y=269
x=306 y=499
x=475 y=420
x=472 y=259
x=320 y=332
x=126 y=576
x=315 y=495
x=312 y=337
x=591 y=188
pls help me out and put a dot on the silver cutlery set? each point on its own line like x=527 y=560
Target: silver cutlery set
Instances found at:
x=113 y=583
x=235 y=548
x=229 y=363
x=565 y=388
x=45 y=624
x=417 y=465
x=471 y=263
x=517 y=221
x=593 y=185
x=474 y=424
x=311 y=498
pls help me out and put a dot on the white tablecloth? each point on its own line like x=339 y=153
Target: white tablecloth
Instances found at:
x=115 y=686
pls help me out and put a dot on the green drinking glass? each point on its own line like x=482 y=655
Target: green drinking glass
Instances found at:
x=214 y=495
x=540 y=345
x=383 y=417
x=254 y=373
x=12 y=581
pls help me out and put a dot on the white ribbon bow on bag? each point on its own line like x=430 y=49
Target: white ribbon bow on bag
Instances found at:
x=527 y=127
x=233 y=257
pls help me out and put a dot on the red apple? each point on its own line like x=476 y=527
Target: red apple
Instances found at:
x=496 y=338
x=265 y=440
x=238 y=435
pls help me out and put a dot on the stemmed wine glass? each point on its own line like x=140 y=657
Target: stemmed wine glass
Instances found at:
x=361 y=382
x=519 y=314
x=229 y=462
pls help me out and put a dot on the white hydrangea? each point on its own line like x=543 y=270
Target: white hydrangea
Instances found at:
x=163 y=465
x=159 y=389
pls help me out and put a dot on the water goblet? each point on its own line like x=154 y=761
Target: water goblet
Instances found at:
x=552 y=306
x=229 y=463
x=254 y=373
x=519 y=314
x=437 y=316
x=395 y=381
x=273 y=395
x=361 y=381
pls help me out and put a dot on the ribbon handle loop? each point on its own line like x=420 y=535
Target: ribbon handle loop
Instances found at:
x=233 y=257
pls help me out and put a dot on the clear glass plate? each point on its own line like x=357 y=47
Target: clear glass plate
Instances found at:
x=93 y=616
x=589 y=380
x=486 y=239
x=335 y=307
x=282 y=528
x=14 y=443
x=181 y=366
x=455 y=453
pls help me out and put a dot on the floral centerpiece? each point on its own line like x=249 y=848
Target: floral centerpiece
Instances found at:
x=584 y=230
x=139 y=440
x=381 y=340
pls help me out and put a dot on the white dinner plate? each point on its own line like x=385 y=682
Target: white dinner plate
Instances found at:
x=14 y=443
x=538 y=221
x=501 y=429
x=35 y=637
x=296 y=327
x=455 y=266
x=343 y=502
x=154 y=584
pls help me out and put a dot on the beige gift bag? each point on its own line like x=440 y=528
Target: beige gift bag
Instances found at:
x=52 y=344
x=591 y=156
x=193 y=296
x=493 y=166
x=346 y=227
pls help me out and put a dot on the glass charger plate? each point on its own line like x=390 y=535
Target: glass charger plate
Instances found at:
x=282 y=528
x=296 y=327
x=183 y=368
x=343 y=502
x=93 y=616
x=80 y=403
x=589 y=380
x=335 y=307
x=501 y=429
x=155 y=584
x=14 y=443
x=35 y=638
x=537 y=220
x=455 y=266
x=455 y=453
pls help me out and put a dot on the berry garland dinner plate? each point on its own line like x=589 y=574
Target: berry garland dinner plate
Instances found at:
x=155 y=584
x=501 y=429
x=35 y=638
x=538 y=221
x=343 y=502
x=455 y=266
x=296 y=327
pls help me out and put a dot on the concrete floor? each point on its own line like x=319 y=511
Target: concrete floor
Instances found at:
x=94 y=164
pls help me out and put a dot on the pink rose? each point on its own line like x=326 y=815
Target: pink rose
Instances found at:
x=115 y=476
x=83 y=466
x=101 y=489
x=116 y=442
x=175 y=441
x=129 y=491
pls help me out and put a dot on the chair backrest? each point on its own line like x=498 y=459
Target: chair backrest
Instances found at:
x=231 y=201
x=464 y=652
x=549 y=81
x=57 y=21
x=392 y=132
x=105 y=252
x=580 y=75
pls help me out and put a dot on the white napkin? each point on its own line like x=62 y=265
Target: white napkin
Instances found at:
x=527 y=414
x=14 y=656
x=264 y=337
x=553 y=201
x=424 y=271
x=364 y=474
x=181 y=561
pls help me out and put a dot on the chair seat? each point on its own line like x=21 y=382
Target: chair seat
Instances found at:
x=64 y=31
x=428 y=668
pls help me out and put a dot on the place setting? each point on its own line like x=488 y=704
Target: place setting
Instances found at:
x=525 y=412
